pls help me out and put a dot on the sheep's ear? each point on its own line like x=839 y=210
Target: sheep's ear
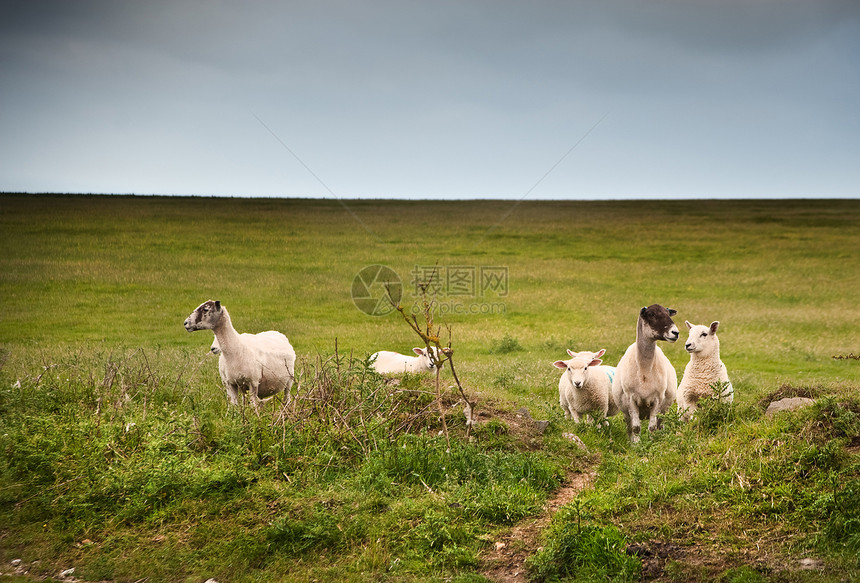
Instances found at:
x=595 y=362
x=218 y=305
x=418 y=351
x=571 y=352
x=600 y=353
x=672 y=312
x=643 y=310
x=687 y=323
x=559 y=364
x=714 y=326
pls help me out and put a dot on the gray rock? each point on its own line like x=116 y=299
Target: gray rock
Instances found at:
x=576 y=440
x=811 y=564
x=790 y=404
x=540 y=425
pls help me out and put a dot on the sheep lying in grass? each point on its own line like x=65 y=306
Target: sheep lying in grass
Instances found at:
x=261 y=364
x=645 y=381
x=585 y=387
x=387 y=363
x=705 y=375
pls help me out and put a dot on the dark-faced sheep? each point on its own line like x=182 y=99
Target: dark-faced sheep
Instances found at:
x=645 y=381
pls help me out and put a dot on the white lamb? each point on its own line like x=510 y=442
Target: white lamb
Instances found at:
x=645 y=381
x=386 y=362
x=704 y=372
x=585 y=387
x=261 y=364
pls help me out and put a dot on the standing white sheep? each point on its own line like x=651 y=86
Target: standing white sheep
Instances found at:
x=261 y=364
x=704 y=372
x=386 y=362
x=645 y=381
x=585 y=387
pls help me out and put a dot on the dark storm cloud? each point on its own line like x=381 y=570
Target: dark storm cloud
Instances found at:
x=431 y=99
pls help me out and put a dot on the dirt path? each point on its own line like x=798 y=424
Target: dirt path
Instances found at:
x=505 y=562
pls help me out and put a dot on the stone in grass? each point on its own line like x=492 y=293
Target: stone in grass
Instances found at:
x=789 y=404
x=811 y=564
x=576 y=440
x=539 y=425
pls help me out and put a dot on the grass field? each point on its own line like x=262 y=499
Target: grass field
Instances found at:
x=121 y=458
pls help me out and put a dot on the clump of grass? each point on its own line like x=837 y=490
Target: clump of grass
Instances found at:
x=583 y=553
x=504 y=380
x=506 y=345
x=743 y=574
x=831 y=418
x=842 y=529
x=314 y=528
x=714 y=414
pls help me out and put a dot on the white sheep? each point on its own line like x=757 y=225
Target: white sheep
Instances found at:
x=386 y=362
x=215 y=348
x=585 y=387
x=261 y=364
x=645 y=381
x=704 y=372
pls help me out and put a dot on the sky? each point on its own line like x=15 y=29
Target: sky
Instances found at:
x=546 y=99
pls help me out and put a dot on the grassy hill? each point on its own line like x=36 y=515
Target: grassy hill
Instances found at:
x=120 y=457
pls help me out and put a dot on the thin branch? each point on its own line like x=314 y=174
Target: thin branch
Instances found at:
x=430 y=336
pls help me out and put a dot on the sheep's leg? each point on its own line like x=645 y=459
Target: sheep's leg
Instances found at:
x=654 y=422
x=575 y=415
x=688 y=411
x=604 y=418
x=232 y=393
x=254 y=395
x=564 y=407
x=634 y=424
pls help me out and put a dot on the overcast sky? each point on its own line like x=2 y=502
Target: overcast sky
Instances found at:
x=432 y=99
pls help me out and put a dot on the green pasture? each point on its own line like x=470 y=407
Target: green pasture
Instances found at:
x=781 y=276
x=119 y=455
